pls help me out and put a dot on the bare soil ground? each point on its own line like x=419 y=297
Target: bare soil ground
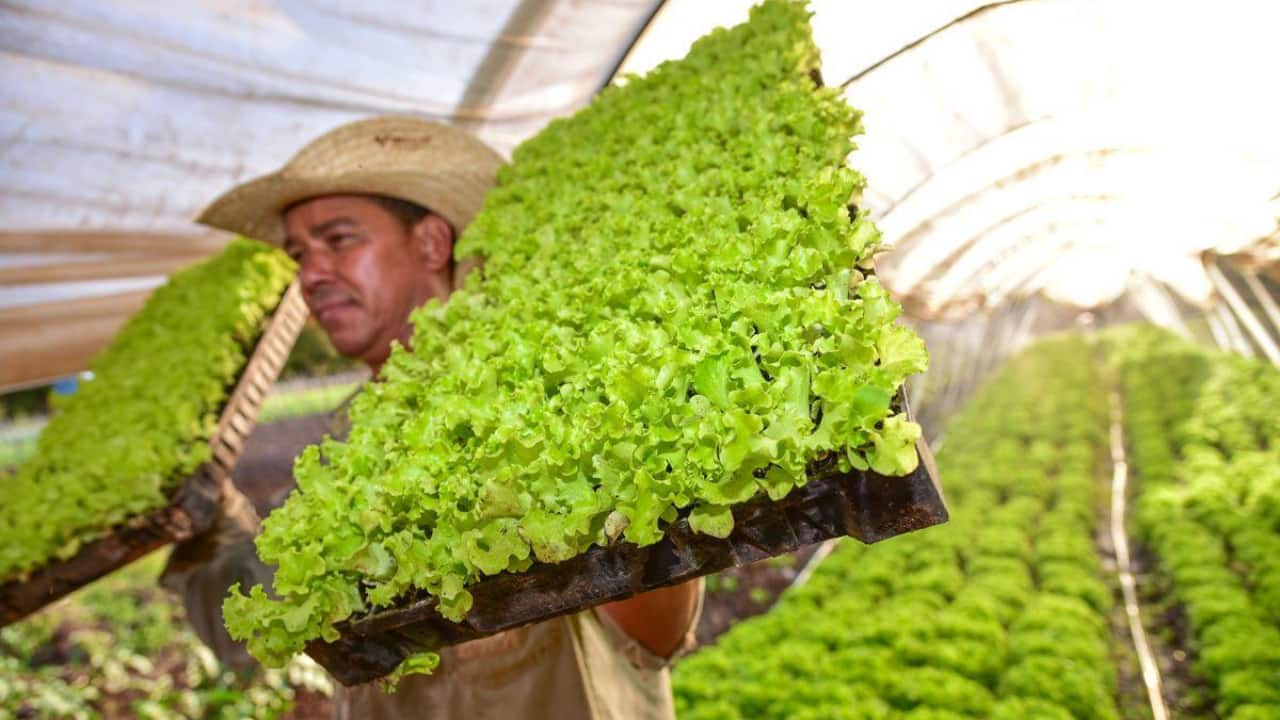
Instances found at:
x=1186 y=695
x=310 y=705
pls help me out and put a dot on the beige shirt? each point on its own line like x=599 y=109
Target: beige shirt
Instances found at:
x=577 y=667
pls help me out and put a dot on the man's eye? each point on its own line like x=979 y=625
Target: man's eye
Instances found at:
x=342 y=240
x=294 y=254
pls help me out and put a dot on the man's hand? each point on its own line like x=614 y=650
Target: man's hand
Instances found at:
x=660 y=619
x=235 y=522
x=201 y=569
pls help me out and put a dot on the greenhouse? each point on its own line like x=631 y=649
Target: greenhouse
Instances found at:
x=815 y=359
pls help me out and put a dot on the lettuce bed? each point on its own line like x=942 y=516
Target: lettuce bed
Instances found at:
x=1205 y=437
x=120 y=446
x=1000 y=614
x=670 y=317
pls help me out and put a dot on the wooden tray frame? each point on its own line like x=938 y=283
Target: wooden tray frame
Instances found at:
x=194 y=506
x=865 y=505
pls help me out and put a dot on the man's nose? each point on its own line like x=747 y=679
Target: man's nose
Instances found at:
x=315 y=269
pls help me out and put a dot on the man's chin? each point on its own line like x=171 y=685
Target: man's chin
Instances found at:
x=347 y=341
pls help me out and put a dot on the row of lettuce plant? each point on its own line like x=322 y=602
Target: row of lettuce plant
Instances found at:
x=277 y=407
x=1204 y=435
x=127 y=438
x=1000 y=614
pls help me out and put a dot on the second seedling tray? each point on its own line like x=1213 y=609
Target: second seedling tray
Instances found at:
x=194 y=506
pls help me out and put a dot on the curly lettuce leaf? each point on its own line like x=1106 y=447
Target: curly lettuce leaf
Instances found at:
x=668 y=321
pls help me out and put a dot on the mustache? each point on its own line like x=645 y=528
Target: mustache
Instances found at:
x=327 y=294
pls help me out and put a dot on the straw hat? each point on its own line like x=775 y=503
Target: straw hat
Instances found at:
x=436 y=166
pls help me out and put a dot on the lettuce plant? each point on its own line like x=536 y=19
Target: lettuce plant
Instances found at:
x=1205 y=441
x=1010 y=596
x=675 y=316
x=123 y=443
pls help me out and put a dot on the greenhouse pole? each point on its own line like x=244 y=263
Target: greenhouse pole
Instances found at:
x=1264 y=298
x=1238 y=342
x=1219 y=333
x=814 y=561
x=926 y=37
x=1242 y=312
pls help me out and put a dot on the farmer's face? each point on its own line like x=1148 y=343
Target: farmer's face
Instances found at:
x=361 y=272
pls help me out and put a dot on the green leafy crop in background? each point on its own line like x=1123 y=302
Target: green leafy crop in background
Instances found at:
x=670 y=317
x=958 y=621
x=1206 y=458
x=122 y=443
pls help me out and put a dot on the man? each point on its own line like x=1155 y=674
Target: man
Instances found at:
x=370 y=212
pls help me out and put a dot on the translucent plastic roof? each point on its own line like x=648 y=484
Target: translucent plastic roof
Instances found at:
x=134 y=113
x=121 y=119
x=1072 y=150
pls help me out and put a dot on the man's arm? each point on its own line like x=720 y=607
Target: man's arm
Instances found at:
x=659 y=619
x=200 y=571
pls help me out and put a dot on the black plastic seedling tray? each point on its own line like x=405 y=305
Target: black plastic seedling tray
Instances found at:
x=194 y=506
x=864 y=505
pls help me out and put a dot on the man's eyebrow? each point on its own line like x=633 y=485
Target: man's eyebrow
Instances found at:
x=328 y=225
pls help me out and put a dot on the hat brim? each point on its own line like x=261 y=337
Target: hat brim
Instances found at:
x=256 y=208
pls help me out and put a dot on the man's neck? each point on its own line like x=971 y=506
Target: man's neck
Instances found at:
x=437 y=286
x=375 y=362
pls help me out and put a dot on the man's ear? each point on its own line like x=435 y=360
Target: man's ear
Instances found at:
x=432 y=237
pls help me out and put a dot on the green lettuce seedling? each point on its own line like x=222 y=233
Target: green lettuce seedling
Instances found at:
x=121 y=445
x=670 y=320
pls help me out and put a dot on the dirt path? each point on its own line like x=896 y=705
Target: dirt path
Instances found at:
x=1150 y=675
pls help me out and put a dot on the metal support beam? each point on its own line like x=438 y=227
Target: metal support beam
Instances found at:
x=1217 y=330
x=1239 y=343
x=1241 y=310
x=1264 y=298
